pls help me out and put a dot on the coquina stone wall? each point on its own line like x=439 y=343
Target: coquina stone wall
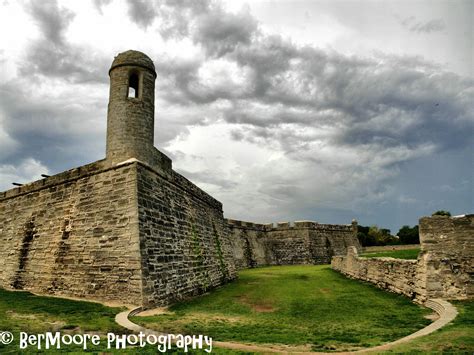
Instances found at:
x=447 y=256
x=124 y=233
x=74 y=234
x=444 y=268
x=287 y=243
x=396 y=275
x=185 y=247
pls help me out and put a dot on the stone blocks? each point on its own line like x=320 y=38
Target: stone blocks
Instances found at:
x=302 y=242
x=444 y=268
x=124 y=233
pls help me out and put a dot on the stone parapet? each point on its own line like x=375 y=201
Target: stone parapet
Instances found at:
x=287 y=243
x=63 y=177
x=444 y=268
x=396 y=275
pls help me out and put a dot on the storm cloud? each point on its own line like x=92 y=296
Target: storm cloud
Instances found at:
x=52 y=55
x=272 y=127
x=413 y=25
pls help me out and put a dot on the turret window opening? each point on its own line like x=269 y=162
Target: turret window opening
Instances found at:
x=133 y=82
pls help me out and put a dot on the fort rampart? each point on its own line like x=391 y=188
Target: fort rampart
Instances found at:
x=301 y=242
x=73 y=234
x=444 y=268
x=124 y=233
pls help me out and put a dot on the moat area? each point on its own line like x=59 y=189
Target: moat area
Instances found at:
x=308 y=307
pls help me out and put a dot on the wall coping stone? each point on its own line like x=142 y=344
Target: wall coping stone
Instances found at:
x=297 y=225
x=99 y=167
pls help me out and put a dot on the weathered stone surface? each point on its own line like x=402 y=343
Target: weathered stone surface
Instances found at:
x=444 y=268
x=396 y=275
x=125 y=233
x=131 y=120
x=184 y=242
x=303 y=242
x=447 y=252
x=75 y=237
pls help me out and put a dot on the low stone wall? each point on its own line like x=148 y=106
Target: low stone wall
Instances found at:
x=396 y=275
x=444 y=268
x=378 y=248
x=303 y=242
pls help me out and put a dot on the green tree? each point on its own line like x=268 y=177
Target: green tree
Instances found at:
x=363 y=235
x=409 y=235
x=373 y=235
x=442 y=213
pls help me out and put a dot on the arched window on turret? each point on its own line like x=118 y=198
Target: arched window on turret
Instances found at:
x=133 y=82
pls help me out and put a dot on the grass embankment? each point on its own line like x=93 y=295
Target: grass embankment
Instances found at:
x=295 y=305
x=23 y=311
x=397 y=254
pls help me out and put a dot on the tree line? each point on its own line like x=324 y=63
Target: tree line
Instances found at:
x=373 y=235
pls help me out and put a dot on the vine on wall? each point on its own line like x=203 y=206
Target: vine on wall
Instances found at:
x=199 y=254
x=248 y=254
x=220 y=256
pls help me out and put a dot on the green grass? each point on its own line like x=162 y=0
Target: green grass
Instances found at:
x=397 y=254
x=24 y=312
x=455 y=338
x=312 y=306
x=282 y=305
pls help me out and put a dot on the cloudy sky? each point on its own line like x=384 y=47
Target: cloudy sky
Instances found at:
x=282 y=110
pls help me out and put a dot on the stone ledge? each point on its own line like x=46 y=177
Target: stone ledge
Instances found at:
x=60 y=178
x=270 y=227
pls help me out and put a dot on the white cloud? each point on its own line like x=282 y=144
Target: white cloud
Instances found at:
x=26 y=171
x=323 y=116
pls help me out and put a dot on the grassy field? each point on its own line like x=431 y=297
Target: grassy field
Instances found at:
x=397 y=254
x=295 y=305
x=25 y=312
x=455 y=338
x=29 y=313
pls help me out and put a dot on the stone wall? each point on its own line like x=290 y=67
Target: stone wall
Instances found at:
x=184 y=242
x=124 y=233
x=444 y=268
x=286 y=243
x=396 y=275
x=378 y=248
x=73 y=234
x=447 y=256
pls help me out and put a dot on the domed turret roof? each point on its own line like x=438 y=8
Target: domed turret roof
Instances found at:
x=133 y=58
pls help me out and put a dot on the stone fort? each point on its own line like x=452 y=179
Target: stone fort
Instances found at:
x=129 y=228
